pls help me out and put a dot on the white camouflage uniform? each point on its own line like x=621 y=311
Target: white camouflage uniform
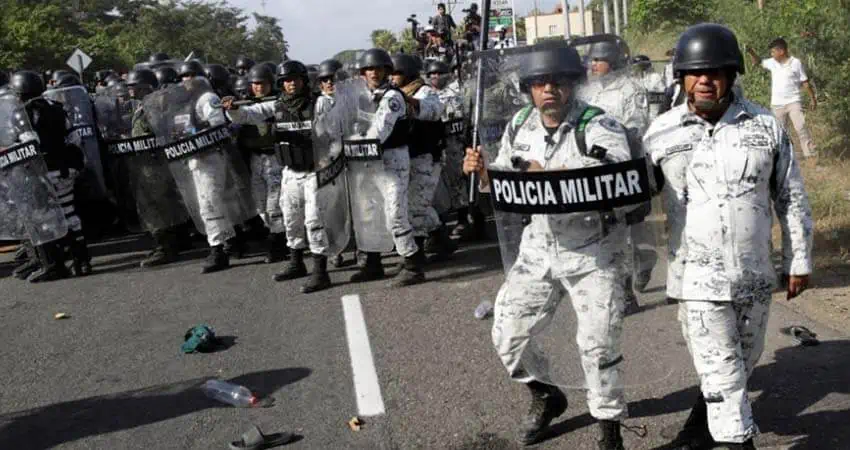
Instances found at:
x=566 y=254
x=424 y=172
x=653 y=83
x=452 y=173
x=298 y=200
x=720 y=184
x=209 y=173
x=396 y=178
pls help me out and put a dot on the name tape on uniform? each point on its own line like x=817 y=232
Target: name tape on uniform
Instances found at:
x=82 y=131
x=363 y=150
x=656 y=98
x=328 y=174
x=567 y=191
x=205 y=140
x=129 y=146
x=294 y=126
x=17 y=154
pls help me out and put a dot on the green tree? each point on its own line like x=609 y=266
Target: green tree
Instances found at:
x=386 y=40
x=266 y=42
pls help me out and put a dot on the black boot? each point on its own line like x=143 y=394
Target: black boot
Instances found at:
x=165 y=251
x=338 y=261
x=276 y=248
x=237 y=245
x=218 y=259
x=371 y=268
x=26 y=269
x=748 y=445
x=440 y=243
x=52 y=259
x=609 y=435
x=294 y=268
x=319 y=279
x=412 y=268
x=695 y=434
x=24 y=252
x=547 y=403
x=80 y=254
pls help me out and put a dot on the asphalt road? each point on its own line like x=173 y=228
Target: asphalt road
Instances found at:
x=112 y=375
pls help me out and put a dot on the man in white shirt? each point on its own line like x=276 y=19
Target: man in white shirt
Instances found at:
x=787 y=75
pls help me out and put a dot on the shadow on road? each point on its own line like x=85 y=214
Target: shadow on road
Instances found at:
x=55 y=424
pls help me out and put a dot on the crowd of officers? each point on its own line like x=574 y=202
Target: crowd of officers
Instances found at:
x=421 y=151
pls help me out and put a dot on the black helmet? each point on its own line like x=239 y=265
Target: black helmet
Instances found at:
x=114 y=81
x=242 y=86
x=259 y=74
x=559 y=59
x=158 y=58
x=642 y=60
x=57 y=74
x=408 y=65
x=291 y=69
x=27 y=84
x=614 y=52
x=166 y=75
x=272 y=66
x=473 y=7
x=437 y=67
x=707 y=46
x=329 y=67
x=142 y=77
x=375 y=57
x=67 y=80
x=100 y=75
x=192 y=67
x=217 y=74
x=244 y=63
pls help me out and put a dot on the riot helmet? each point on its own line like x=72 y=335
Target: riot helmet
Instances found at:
x=260 y=74
x=473 y=7
x=218 y=75
x=142 y=77
x=242 y=87
x=244 y=64
x=437 y=67
x=408 y=65
x=26 y=84
x=642 y=61
x=100 y=76
x=438 y=74
x=191 y=68
x=614 y=51
x=291 y=69
x=708 y=46
x=556 y=62
x=67 y=80
x=272 y=66
x=166 y=75
x=56 y=75
x=375 y=57
x=329 y=68
x=158 y=57
x=113 y=80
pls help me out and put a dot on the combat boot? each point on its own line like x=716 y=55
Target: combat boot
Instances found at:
x=440 y=243
x=319 y=279
x=52 y=260
x=24 y=252
x=412 y=268
x=694 y=434
x=547 y=403
x=81 y=265
x=294 y=268
x=26 y=269
x=236 y=246
x=218 y=259
x=276 y=250
x=165 y=251
x=609 y=435
x=371 y=268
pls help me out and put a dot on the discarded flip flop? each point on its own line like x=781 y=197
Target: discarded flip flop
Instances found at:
x=254 y=439
x=803 y=335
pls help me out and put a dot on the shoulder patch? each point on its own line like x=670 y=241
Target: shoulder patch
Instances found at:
x=678 y=149
x=610 y=124
x=395 y=105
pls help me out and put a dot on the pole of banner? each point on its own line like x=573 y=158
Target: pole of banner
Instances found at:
x=513 y=20
x=581 y=13
x=479 y=96
x=617 y=17
x=606 y=21
x=565 y=7
x=536 y=30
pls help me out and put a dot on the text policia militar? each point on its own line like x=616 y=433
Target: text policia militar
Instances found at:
x=566 y=191
x=12 y=156
x=205 y=140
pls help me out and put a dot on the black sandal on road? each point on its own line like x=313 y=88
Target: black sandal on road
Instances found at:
x=803 y=335
x=254 y=439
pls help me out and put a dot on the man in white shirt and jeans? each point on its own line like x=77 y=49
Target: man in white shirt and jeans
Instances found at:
x=787 y=75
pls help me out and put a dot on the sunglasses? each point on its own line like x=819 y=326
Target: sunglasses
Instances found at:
x=557 y=80
x=326 y=80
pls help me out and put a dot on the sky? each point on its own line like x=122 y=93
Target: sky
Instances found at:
x=318 y=29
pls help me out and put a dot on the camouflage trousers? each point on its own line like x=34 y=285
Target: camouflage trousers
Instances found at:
x=302 y=216
x=453 y=180
x=266 y=175
x=208 y=190
x=525 y=305
x=394 y=187
x=424 y=177
x=726 y=340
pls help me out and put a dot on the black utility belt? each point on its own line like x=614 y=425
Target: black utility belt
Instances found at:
x=18 y=154
x=208 y=139
x=298 y=159
x=599 y=188
x=132 y=146
x=363 y=150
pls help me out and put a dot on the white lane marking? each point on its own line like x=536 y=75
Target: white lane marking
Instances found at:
x=366 y=386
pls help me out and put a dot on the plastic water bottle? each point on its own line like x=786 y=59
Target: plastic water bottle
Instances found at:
x=229 y=393
x=483 y=310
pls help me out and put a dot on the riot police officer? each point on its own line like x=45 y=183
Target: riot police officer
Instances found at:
x=243 y=65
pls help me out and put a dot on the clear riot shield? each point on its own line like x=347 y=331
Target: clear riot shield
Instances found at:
x=144 y=187
x=453 y=191
x=331 y=186
x=90 y=184
x=114 y=111
x=197 y=143
x=365 y=172
x=563 y=216
x=29 y=208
